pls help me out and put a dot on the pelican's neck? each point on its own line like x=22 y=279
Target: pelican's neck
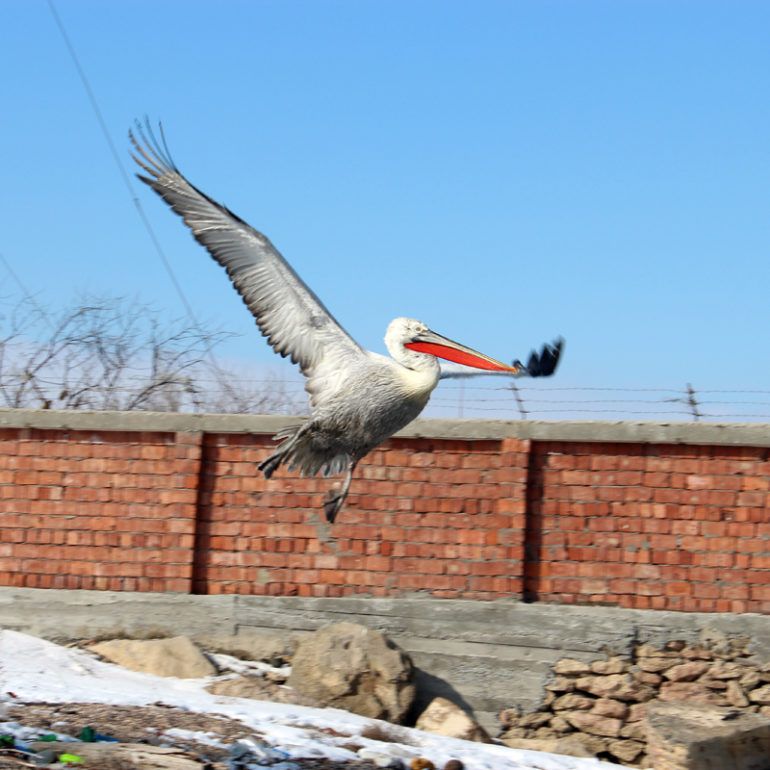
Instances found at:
x=411 y=359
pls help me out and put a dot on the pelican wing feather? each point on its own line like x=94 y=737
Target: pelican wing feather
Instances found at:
x=288 y=313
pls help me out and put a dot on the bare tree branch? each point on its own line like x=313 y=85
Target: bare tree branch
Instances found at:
x=110 y=353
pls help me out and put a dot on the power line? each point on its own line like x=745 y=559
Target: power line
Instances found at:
x=121 y=170
x=25 y=292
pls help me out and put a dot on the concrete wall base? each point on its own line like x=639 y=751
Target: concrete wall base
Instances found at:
x=483 y=655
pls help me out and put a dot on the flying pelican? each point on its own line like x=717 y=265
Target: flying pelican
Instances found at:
x=358 y=398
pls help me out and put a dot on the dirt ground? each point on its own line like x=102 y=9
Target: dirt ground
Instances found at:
x=144 y=724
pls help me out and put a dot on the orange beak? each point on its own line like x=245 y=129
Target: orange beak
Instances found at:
x=435 y=345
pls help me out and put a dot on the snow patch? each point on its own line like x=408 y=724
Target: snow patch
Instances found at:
x=35 y=670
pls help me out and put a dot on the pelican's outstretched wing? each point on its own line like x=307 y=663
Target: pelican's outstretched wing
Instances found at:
x=542 y=364
x=288 y=313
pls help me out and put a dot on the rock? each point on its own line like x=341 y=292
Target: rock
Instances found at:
x=697 y=653
x=275 y=649
x=442 y=717
x=687 y=737
x=454 y=764
x=594 y=724
x=510 y=716
x=686 y=672
x=592 y=743
x=571 y=745
x=722 y=670
x=735 y=695
x=689 y=692
x=573 y=702
x=750 y=679
x=561 y=684
x=626 y=751
x=258 y=688
x=677 y=645
x=536 y=719
x=648 y=651
x=420 y=763
x=646 y=677
x=635 y=730
x=349 y=666
x=560 y=725
x=636 y=712
x=514 y=733
x=607 y=707
x=611 y=666
x=761 y=695
x=571 y=667
x=177 y=656
x=620 y=686
x=713 y=684
x=657 y=665
x=127 y=756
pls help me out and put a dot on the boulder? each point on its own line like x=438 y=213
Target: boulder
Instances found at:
x=352 y=667
x=176 y=656
x=272 y=648
x=443 y=717
x=689 y=737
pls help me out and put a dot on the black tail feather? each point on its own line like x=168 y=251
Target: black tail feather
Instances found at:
x=543 y=364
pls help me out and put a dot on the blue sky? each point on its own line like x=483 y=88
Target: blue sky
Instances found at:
x=504 y=171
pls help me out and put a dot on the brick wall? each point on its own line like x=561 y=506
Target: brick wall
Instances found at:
x=634 y=523
x=651 y=526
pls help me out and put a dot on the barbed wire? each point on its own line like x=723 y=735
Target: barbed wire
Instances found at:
x=534 y=402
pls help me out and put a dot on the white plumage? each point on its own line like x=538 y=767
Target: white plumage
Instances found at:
x=359 y=398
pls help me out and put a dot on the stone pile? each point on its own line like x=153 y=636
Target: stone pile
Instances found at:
x=599 y=708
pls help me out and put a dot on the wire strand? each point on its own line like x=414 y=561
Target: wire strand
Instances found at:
x=119 y=165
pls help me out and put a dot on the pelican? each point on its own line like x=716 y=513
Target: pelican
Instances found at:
x=358 y=398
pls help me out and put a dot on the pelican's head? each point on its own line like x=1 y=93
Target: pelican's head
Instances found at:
x=415 y=346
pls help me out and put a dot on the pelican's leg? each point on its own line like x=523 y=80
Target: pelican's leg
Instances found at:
x=334 y=500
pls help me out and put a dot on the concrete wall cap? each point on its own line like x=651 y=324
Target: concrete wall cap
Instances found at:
x=694 y=433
